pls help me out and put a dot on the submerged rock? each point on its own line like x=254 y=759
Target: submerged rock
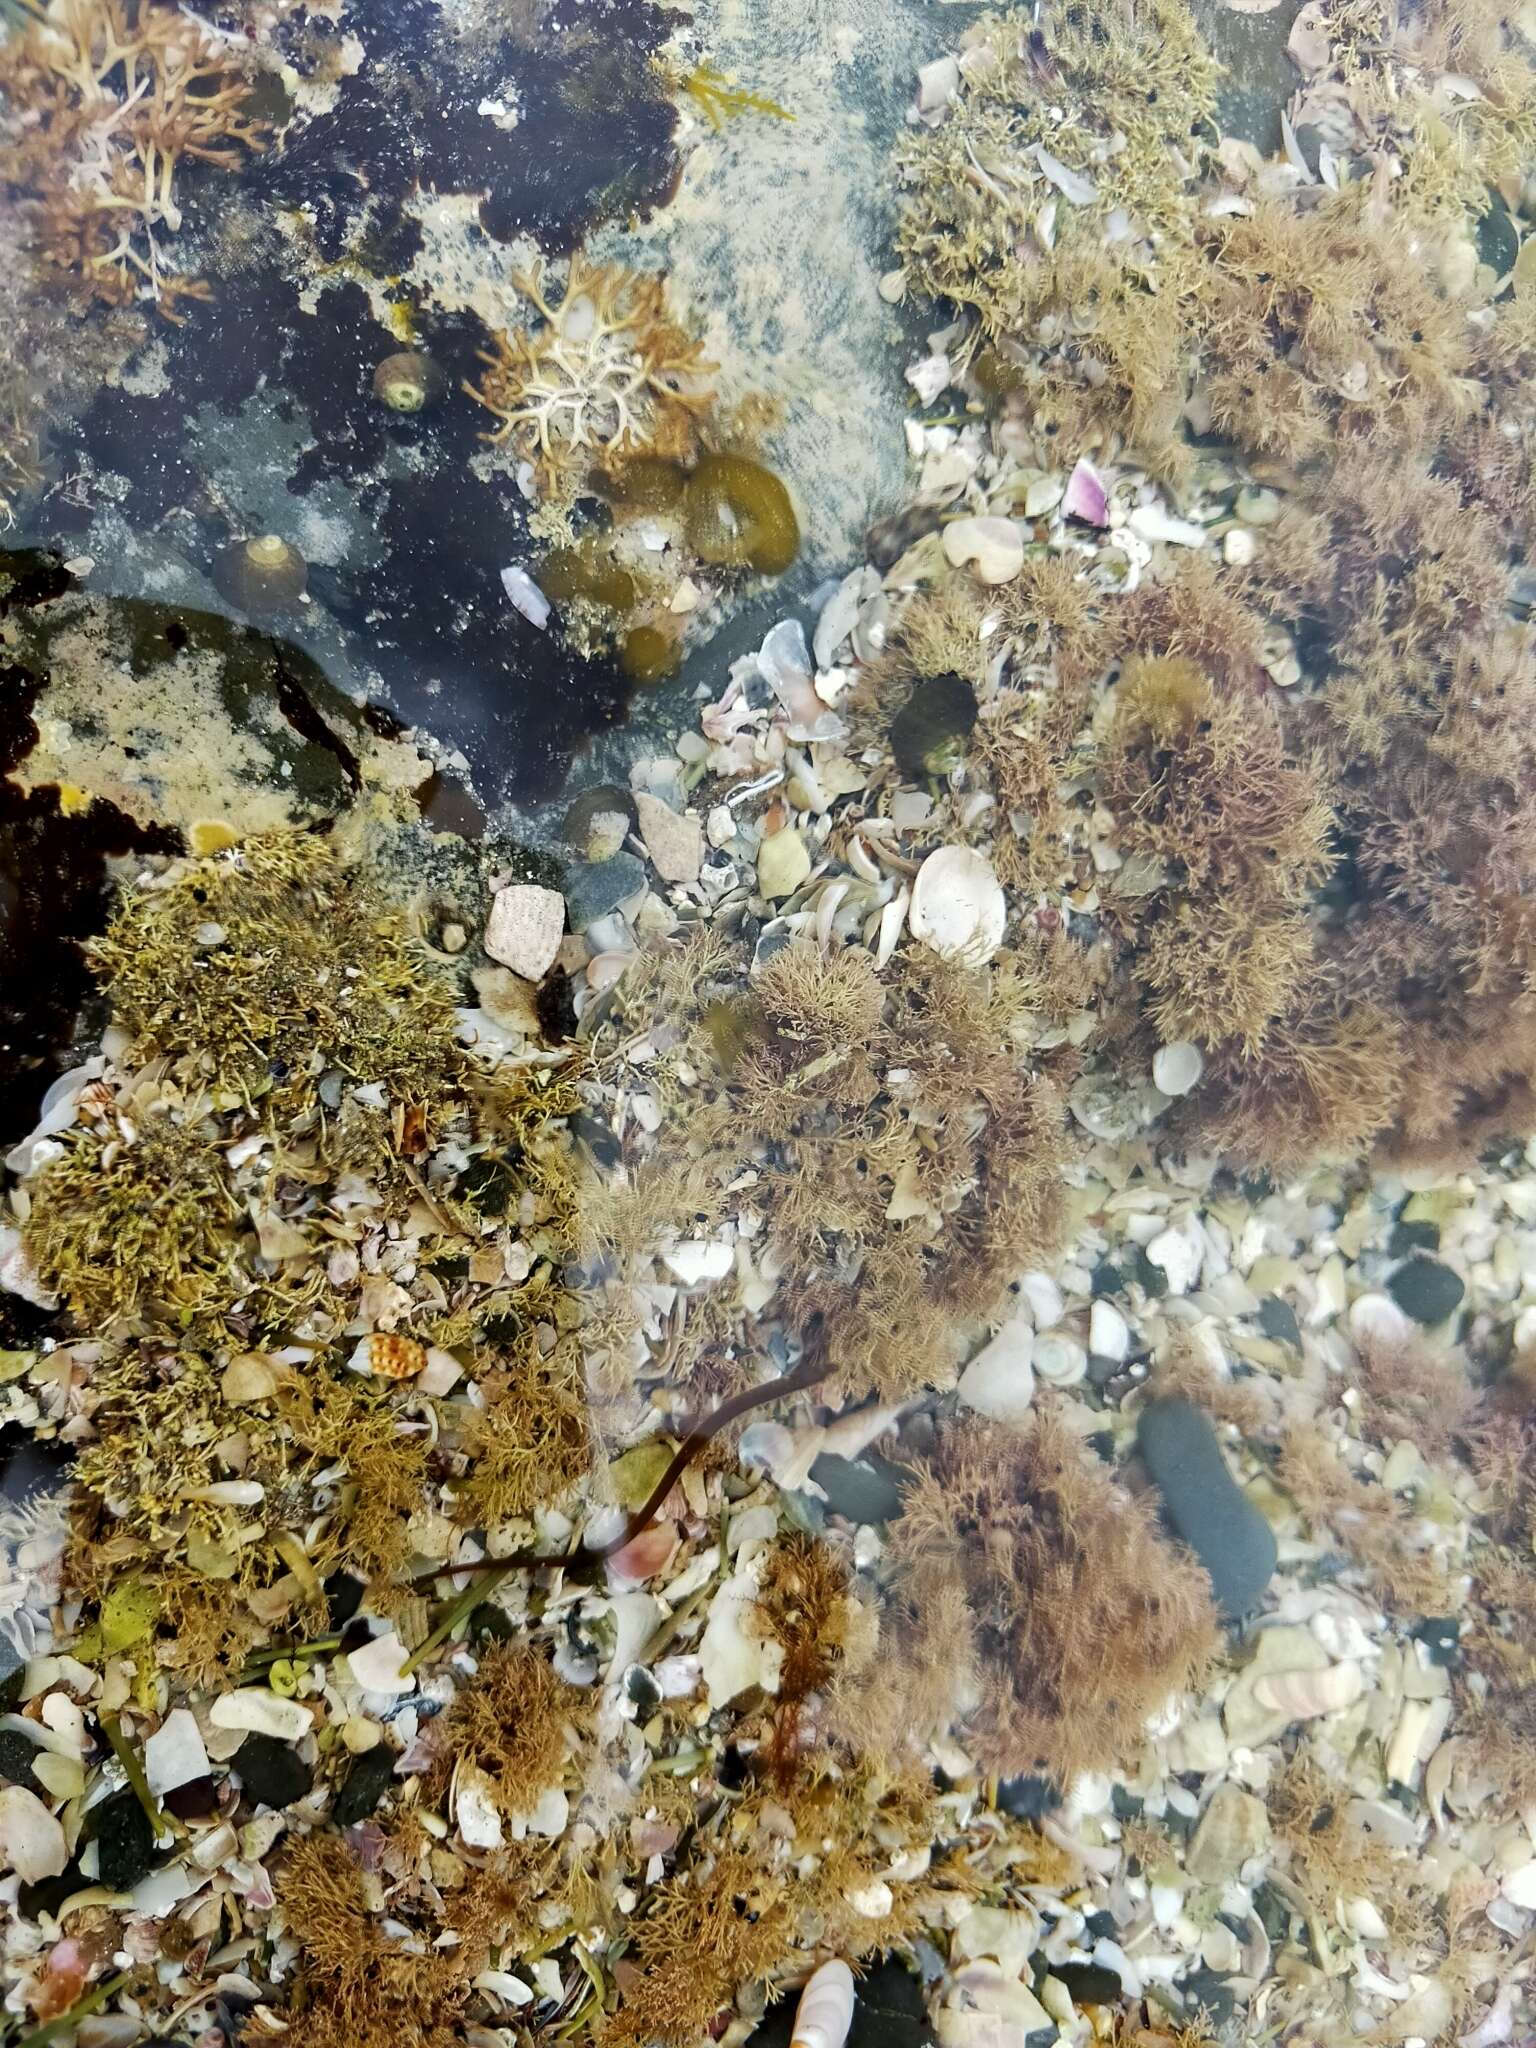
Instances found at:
x=1427 y=1290
x=1206 y=1506
x=272 y=1773
x=1234 y=1826
x=365 y=1785
x=125 y=1841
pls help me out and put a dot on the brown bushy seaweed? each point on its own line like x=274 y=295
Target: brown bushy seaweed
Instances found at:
x=853 y=1175
x=1078 y=1620
x=518 y=1721
x=1201 y=782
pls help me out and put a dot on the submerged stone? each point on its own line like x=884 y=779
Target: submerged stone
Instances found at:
x=862 y=1489
x=16 y=1754
x=1427 y=1290
x=1206 y=1506
x=594 y=889
x=365 y=1785
x=125 y=1841
x=272 y=1772
x=1028 y=1797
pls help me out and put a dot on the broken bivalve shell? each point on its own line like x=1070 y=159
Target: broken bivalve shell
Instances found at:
x=994 y=548
x=958 y=906
x=1307 y=1694
x=825 y=2011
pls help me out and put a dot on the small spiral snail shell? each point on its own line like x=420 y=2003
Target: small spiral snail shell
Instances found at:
x=408 y=382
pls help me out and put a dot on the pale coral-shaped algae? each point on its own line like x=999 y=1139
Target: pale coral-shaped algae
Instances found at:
x=603 y=375
x=109 y=98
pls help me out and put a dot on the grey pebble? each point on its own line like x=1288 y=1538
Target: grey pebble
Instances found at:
x=593 y=888
x=1427 y=1290
x=1205 y=1504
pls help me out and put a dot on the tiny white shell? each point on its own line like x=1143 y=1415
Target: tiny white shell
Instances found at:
x=958 y=906
x=994 y=547
x=1059 y=1360
x=825 y=2011
x=1177 y=1067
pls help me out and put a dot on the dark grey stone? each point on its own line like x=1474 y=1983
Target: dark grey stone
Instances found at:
x=593 y=888
x=1205 y=1505
x=1427 y=1290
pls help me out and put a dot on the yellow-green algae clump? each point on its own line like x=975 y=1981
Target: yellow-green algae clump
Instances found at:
x=291 y=1194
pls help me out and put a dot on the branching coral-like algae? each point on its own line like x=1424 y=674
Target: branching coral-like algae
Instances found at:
x=109 y=102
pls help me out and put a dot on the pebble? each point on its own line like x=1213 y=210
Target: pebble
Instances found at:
x=595 y=888
x=272 y=1773
x=1427 y=1290
x=525 y=928
x=1257 y=506
x=1205 y=1505
x=1233 y=1828
x=674 y=842
x=125 y=1841
x=18 y=1755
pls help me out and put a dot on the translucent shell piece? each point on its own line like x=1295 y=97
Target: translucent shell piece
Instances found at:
x=825 y=2011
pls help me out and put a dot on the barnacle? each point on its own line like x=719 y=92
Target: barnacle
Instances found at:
x=604 y=374
x=110 y=99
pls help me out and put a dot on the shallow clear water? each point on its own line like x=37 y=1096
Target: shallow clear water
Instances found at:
x=766 y=1042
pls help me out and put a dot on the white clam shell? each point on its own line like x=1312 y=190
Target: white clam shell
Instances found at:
x=958 y=906
x=825 y=2011
x=1306 y=1694
x=1177 y=1067
x=32 y=1841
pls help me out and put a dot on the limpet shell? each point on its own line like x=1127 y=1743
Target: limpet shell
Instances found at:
x=958 y=906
